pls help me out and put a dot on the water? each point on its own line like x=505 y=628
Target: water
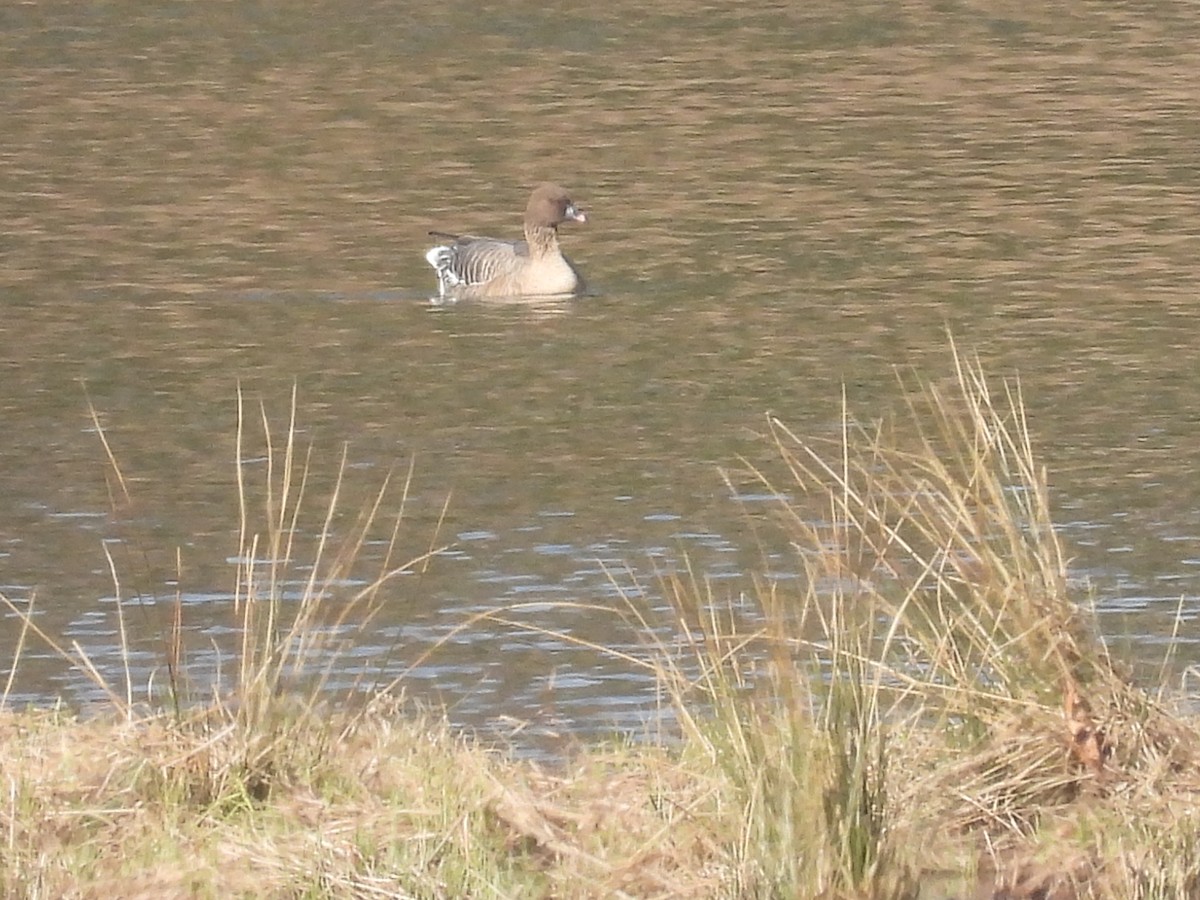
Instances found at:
x=782 y=201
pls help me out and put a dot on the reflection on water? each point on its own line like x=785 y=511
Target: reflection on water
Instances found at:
x=783 y=200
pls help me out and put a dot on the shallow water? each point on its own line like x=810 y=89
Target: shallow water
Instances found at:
x=782 y=201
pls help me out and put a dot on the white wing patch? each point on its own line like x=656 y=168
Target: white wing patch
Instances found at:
x=442 y=260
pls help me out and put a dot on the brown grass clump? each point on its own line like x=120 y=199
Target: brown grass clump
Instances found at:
x=952 y=691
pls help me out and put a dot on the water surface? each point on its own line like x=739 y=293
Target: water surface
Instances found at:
x=782 y=201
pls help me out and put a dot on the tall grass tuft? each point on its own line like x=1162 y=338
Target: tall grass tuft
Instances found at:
x=939 y=528
x=300 y=597
x=933 y=675
x=301 y=594
x=797 y=727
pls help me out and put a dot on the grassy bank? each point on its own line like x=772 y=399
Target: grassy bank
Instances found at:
x=927 y=713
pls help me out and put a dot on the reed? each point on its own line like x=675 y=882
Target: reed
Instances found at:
x=933 y=676
x=300 y=597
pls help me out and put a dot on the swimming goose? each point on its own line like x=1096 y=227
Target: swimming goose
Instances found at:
x=474 y=267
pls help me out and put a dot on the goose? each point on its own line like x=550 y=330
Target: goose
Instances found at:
x=470 y=267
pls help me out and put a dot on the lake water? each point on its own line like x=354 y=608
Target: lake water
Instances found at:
x=783 y=200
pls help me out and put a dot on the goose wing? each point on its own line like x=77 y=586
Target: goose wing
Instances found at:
x=467 y=260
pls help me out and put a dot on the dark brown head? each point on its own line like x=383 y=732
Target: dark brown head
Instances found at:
x=550 y=206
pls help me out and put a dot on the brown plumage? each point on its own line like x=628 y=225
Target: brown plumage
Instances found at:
x=472 y=267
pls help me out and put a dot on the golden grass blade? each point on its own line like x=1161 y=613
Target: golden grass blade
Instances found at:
x=19 y=649
x=121 y=630
x=112 y=459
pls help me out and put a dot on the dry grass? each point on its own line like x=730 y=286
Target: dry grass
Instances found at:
x=930 y=714
x=934 y=705
x=401 y=809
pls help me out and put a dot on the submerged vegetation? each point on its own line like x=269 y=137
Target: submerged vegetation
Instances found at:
x=927 y=713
